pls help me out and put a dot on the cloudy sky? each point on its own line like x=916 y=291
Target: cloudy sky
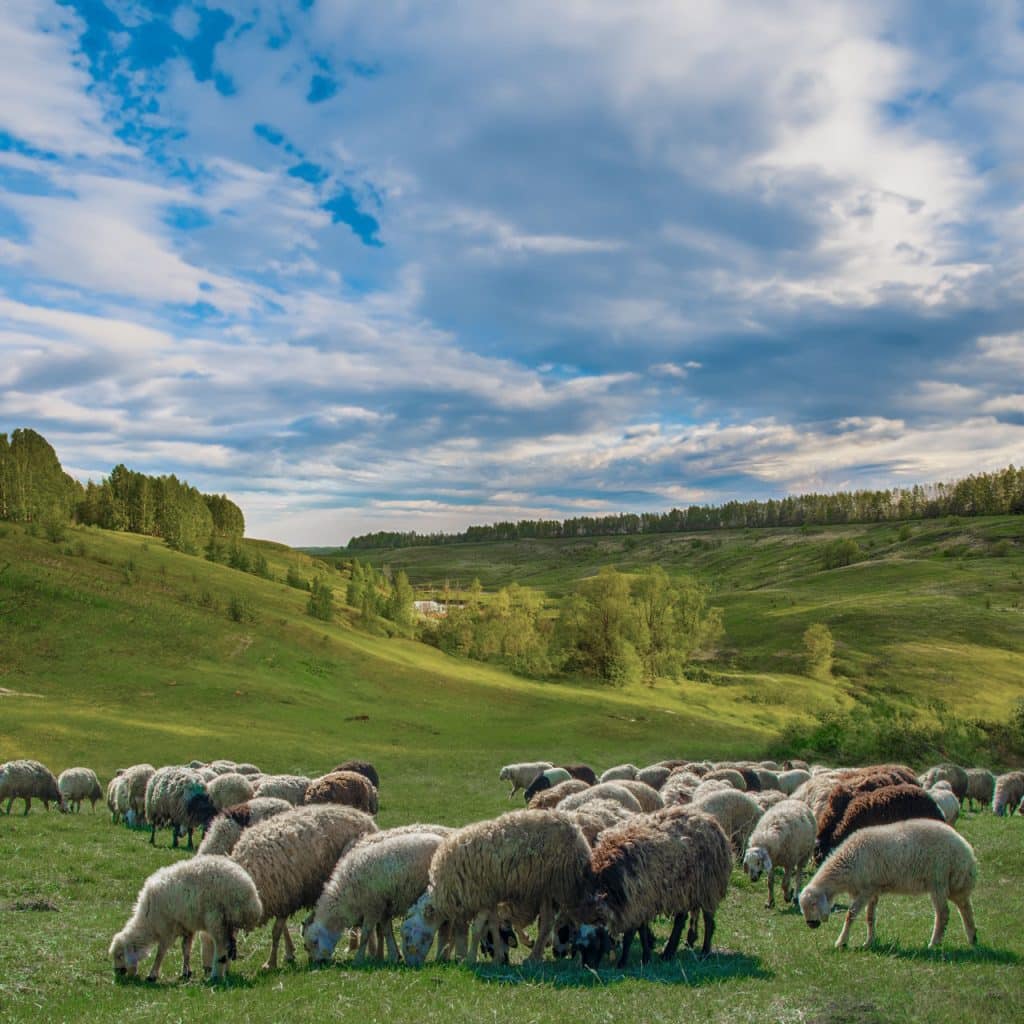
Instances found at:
x=392 y=265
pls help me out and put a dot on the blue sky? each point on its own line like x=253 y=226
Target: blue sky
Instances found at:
x=390 y=266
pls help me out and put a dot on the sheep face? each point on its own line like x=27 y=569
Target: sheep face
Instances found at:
x=816 y=906
x=757 y=862
x=592 y=943
x=418 y=931
x=504 y=775
x=126 y=956
x=319 y=942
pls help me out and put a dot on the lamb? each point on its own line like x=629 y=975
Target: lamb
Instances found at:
x=784 y=837
x=981 y=784
x=602 y=791
x=349 y=788
x=1009 y=790
x=791 y=780
x=362 y=767
x=676 y=862
x=545 y=780
x=654 y=775
x=951 y=773
x=370 y=885
x=620 y=771
x=226 y=829
x=288 y=787
x=909 y=857
x=549 y=798
x=535 y=859
x=204 y=894
x=290 y=858
x=522 y=774
x=947 y=803
x=881 y=806
x=25 y=780
x=229 y=789
x=137 y=780
x=736 y=812
x=176 y=798
x=78 y=784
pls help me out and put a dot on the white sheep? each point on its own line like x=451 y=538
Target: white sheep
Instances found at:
x=981 y=784
x=619 y=771
x=137 y=780
x=226 y=829
x=947 y=802
x=522 y=774
x=914 y=856
x=783 y=838
x=288 y=787
x=229 y=789
x=176 y=798
x=736 y=812
x=602 y=791
x=25 y=780
x=1009 y=790
x=790 y=781
x=205 y=894
x=78 y=784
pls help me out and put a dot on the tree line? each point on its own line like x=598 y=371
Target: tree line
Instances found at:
x=982 y=494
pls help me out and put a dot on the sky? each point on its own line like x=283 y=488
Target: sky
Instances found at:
x=377 y=266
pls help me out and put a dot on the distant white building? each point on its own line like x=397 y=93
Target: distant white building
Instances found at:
x=430 y=609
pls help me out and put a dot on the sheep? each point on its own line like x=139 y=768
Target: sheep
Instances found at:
x=221 y=766
x=78 y=784
x=362 y=767
x=1020 y=806
x=707 y=786
x=522 y=774
x=349 y=788
x=795 y=763
x=951 y=773
x=679 y=787
x=602 y=791
x=675 y=862
x=176 y=797
x=247 y=769
x=736 y=812
x=620 y=771
x=205 y=894
x=792 y=779
x=770 y=797
x=290 y=857
x=370 y=885
x=229 y=789
x=597 y=815
x=908 y=857
x=769 y=779
x=878 y=807
x=117 y=795
x=649 y=798
x=137 y=779
x=654 y=775
x=816 y=790
x=288 y=787
x=981 y=784
x=226 y=829
x=25 y=780
x=784 y=837
x=545 y=780
x=947 y=804
x=582 y=771
x=549 y=798
x=731 y=775
x=1009 y=790
x=535 y=859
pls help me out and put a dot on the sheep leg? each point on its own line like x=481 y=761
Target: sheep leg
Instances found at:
x=856 y=904
x=627 y=941
x=445 y=941
x=709 y=931
x=476 y=933
x=207 y=952
x=771 y=888
x=174 y=837
x=221 y=953
x=795 y=894
x=869 y=917
x=161 y=952
x=963 y=904
x=941 y=919
x=365 y=932
x=186 y=956
x=691 y=932
x=289 y=948
x=28 y=804
x=646 y=944
x=191 y=846
x=545 y=921
x=275 y=938
x=672 y=946
x=389 y=938
x=353 y=939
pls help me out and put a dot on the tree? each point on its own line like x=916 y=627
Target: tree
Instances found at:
x=400 y=606
x=818 y=650
x=321 y=601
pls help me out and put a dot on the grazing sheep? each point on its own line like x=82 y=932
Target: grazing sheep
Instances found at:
x=597 y=815
x=649 y=798
x=137 y=780
x=247 y=769
x=795 y=763
x=226 y=829
x=176 y=798
x=204 y=894
x=654 y=775
x=362 y=767
x=674 y=862
x=731 y=775
x=738 y=813
x=370 y=885
x=680 y=786
x=549 y=798
x=770 y=797
x=290 y=857
x=877 y=807
x=620 y=771
x=221 y=766
x=769 y=779
x=909 y=857
x=816 y=790
x=602 y=791
x=783 y=838
x=582 y=771
x=947 y=803
x=229 y=789
x=1009 y=790
x=535 y=859
x=545 y=780
x=25 y=780
x=78 y=784
x=981 y=784
x=792 y=779
x=288 y=787
x=349 y=788
x=951 y=773
x=117 y=796
x=522 y=774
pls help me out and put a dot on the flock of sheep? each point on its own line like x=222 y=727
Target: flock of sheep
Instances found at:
x=589 y=864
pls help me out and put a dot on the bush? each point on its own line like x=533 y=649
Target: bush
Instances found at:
x=906 y=532
x=239 y=610
x=840 y=552
x=818 y=650
x=321 y=601
x=296 y=579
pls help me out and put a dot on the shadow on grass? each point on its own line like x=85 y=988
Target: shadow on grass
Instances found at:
x=953 y=955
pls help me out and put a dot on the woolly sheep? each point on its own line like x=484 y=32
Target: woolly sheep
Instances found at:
x=176 y=798
x=229 y=789
x=816 y=790
x=290 y=857
x=78 y=784
x=706 y=786
x=731 y=775
x=549 y=798
x=117 y=796
x=981 y=784
x=951 y=773
x=947 y=803
x=909 y=857
x=791 y=780
x=226 y=829
x=768 y=778
x=349 y=788
x=582 y=771
x=221 y=766
x=370 y=885
x=674 y=862
x=137 y=779
x=1009 y=790
x=25 y=780
x=783 y=838
x=521 y=774
x=364 y=768
x=545 y=780
x=597 y=815
x=204 y=894
x=680 y=786
x=247 y=769
x=737 y=813
x=620 y=771
x=770 y=797
x=654 y=775
x=602 y=791
x=537 y=859
x=288 y=787
x=647 y=796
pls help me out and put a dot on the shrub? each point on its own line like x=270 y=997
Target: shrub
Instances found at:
x=840 y=552
x=818 y=650
x=239 y=610
x=321 y=601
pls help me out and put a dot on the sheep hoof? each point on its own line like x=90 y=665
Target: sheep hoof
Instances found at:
x=769 y=905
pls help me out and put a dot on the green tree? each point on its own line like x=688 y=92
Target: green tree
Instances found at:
x=321 y=600
x=818 y=650
x=400 y=606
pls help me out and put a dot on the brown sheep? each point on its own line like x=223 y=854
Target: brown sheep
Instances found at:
x=583 y=772
x=348 y=788
x=847 y=788
x=363 y=767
